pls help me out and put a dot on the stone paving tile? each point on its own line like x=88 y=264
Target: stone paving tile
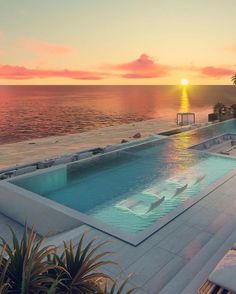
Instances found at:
x=179 y=239
x=195 y=245
x=219 y=222
x=5 y=232
x=138 y=290
x=148 y=265
x=187 y=214
x=203 y=219
x=159 y=280
x=100 y=236
x=163 y=232
x=129 y=254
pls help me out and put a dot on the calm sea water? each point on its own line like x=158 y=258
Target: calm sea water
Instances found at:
x=28 y=112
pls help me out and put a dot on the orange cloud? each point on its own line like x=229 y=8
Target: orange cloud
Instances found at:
x=216 y=72
x=47 y=48
x=142 y=68
x=23 y=73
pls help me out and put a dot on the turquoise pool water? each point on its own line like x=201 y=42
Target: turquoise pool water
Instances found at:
x=134 y=187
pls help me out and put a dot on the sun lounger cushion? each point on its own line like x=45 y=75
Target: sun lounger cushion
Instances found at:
x=224 y=273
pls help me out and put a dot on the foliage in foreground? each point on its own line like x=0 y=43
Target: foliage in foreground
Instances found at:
x=29 y=267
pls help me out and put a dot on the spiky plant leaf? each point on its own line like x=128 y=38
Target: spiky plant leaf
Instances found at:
x=4 y=264
x=28 y=267
x=116 y=289
x=81 y=266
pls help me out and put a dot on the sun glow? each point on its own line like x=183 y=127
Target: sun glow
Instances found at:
x=184 y=82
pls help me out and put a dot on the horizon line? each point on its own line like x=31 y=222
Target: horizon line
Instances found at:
x=179 y=85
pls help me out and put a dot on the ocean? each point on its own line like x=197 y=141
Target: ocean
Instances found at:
x=28 y=112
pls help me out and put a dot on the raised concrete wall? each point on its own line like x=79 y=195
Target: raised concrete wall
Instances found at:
x=44 y=182
x=47 y=217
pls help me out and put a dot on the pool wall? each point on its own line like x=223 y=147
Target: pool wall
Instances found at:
x=26 y=207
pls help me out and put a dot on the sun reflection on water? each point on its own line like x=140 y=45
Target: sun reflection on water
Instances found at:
x=184 y=100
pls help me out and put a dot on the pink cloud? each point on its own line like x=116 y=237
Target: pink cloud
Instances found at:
x=47 y=48
x=143 y=67
x=23 y=73
x=216 y=72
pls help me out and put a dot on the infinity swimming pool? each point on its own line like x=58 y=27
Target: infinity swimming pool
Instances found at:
x=131 y=189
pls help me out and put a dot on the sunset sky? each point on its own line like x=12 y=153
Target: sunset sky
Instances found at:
x=117 y=41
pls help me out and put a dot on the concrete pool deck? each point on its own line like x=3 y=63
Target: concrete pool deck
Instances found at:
x=177 y=258
x=49 y=147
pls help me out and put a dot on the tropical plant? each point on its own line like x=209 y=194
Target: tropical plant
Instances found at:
x=78 y=267
x=219 y=108
x=4 y=264
x=29 y=267
x=233 y=79
x=25 y=265
x=115 y=289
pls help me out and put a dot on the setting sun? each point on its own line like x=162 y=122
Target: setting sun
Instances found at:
x=184 y=82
